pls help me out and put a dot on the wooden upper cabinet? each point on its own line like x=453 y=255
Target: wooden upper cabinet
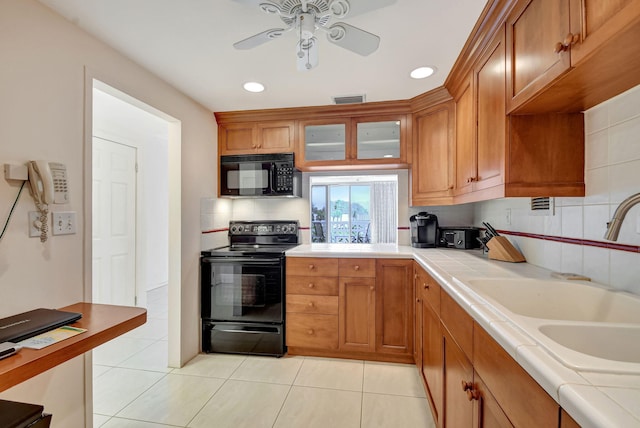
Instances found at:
x=465 y=140
x=534 y=30
x=353 y=143
x=491 y=115
x=595 y=22
x=481 y=119
x=432 y=170
x=260 y=137
x=570 y=55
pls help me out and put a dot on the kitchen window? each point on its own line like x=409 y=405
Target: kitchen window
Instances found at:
x=354 y=209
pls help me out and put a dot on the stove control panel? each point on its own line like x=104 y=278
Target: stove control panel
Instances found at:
x=263 y=228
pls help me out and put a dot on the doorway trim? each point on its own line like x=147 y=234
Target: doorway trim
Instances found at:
x=109 y=85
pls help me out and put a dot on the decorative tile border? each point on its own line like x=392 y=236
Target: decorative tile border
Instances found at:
x=223 y=229
x=576 y=241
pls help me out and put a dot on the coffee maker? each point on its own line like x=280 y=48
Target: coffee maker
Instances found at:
x=424 y=230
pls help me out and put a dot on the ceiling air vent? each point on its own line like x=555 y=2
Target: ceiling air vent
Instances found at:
x=542 y=206
x=349 y=99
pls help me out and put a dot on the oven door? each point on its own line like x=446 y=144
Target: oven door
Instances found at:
x=243 y=289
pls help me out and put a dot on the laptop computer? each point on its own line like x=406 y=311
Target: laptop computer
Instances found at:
x=28 y=324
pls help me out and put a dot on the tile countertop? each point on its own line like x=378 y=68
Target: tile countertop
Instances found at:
x=592 y=399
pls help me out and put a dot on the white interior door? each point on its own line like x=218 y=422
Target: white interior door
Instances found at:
x=114 y=223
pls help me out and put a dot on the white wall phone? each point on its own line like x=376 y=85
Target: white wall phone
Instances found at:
x=47 y=185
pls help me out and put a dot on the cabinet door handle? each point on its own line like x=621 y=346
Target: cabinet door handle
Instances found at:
x=426 y=286
x=417 y=300
x=372 y=288
x=570 y=40
x=472 y=394
x=466 y=386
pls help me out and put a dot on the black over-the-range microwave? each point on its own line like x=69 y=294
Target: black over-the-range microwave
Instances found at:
x=259 y=175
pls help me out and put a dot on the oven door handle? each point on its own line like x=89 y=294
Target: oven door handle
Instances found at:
x=246 y=260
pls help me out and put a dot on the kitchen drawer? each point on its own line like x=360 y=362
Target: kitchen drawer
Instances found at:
x=357 y=268
x=305 y=304
x=458 y=322
x=326 y=286
x=312 y=266
x=312 y=331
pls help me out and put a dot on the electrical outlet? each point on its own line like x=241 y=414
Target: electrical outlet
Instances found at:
x=34 y=224
x=507 y=216
x=64 y=223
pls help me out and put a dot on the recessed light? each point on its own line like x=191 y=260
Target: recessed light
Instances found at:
x=253 y=87
x=422 y=72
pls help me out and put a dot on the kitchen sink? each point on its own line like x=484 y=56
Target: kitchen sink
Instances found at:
x=610 y=342
x=558 y=300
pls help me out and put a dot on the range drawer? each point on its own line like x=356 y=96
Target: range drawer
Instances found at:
x=312 y=266
x=305 y=304
x=312 y=331
x=327 y=286
x=357 y=268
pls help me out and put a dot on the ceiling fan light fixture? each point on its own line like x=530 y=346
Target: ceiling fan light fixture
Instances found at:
x=253 y=87
x=423 y=72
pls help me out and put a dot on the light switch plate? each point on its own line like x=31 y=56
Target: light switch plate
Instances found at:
x=64 y=223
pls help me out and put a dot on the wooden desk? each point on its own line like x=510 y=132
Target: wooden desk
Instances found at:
x=103 y=323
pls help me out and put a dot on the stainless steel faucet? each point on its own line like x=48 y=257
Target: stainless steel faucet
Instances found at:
x=613 y=227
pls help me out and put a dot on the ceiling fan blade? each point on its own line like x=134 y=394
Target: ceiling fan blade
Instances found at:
x=260 y=38
x=358 y=7
x=353 y=38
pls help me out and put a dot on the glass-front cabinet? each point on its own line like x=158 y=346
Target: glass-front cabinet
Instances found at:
x=355 y=142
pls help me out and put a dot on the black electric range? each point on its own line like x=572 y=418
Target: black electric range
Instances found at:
x=243 y=289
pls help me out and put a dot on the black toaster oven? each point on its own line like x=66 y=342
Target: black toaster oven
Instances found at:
x=459 y=237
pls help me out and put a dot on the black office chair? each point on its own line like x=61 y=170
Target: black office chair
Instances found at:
x=318 y=233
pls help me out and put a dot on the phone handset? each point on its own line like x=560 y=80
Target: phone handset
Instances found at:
x=48 y=185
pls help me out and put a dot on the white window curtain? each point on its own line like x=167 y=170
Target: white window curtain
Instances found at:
x=384 y=212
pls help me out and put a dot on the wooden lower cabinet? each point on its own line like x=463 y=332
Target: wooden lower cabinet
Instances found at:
x=458 y=382
x=357 y=314
x=394 y=306
x=487 y=411
x=374 y=305
x=470 y=380
x=522 y=399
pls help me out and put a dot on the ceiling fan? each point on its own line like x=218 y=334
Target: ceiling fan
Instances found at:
x=306 y=16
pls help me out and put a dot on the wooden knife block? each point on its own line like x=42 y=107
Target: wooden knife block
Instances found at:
x=501 y=249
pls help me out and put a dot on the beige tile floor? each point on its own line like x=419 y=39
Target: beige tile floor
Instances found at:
x=134 y=388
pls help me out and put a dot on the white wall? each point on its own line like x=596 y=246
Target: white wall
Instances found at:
x=612 y=173
x=42 y=102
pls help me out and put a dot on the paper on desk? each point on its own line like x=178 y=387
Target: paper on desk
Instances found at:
x=50 y=337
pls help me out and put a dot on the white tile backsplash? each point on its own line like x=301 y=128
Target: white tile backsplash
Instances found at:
x=612 y=173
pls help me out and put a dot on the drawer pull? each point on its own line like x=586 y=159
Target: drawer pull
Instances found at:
x=311 y=267
x=356 y=267
x=310 y=332
x=311 y=285
x=310 y=304
x=372 y=288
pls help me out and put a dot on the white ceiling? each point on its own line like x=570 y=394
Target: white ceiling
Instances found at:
x=188 y=43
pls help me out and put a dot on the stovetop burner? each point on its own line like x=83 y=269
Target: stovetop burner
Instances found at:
x=256 y=238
